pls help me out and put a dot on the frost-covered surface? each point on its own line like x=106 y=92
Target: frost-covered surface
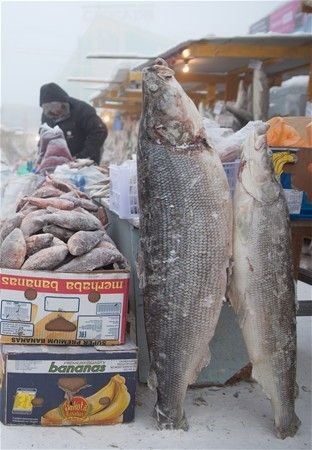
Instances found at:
x=237 y=417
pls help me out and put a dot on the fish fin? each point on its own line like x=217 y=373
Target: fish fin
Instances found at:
x=166 y=423
x=152 y=382
x=203 y=362
x=140 y=269
x=288 y=429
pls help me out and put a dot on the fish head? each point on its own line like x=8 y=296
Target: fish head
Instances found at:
x=256 y=171
x=169 y=115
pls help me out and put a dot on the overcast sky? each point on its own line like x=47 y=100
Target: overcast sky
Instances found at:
x=37 y=38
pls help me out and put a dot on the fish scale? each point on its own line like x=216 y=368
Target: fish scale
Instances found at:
x=184 y=250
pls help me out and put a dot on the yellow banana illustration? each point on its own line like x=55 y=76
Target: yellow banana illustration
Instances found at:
x=279 y=159
x=110 y=392
x=112 y=413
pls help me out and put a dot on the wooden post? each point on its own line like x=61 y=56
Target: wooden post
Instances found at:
x=231 y=88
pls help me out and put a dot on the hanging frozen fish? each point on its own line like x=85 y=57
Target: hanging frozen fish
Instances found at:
x=262 y=287
x=260 y=95
x=185 y=239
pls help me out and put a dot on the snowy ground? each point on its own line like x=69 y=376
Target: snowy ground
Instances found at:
x=236 y=417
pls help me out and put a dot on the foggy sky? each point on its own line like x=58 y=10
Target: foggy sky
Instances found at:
x=38 y=38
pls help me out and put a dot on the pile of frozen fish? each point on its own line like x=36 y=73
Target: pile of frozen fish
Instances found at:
x=191 y=251
x=58 y=228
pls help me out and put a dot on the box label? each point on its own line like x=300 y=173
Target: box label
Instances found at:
x=100 y=327
x=66 y=304
x=17 y=329
x=71 y=367
x=63 y=309
x=11 y=310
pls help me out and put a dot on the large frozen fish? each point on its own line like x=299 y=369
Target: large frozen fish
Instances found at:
x=262 y=287
x=13 y=250
x=185 y=239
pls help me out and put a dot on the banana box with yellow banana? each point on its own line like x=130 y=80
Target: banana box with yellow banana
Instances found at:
x=56 y=308
x=57 y=386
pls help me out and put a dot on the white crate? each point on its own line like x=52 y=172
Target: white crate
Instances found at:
x=231 y=170
x=123 y=192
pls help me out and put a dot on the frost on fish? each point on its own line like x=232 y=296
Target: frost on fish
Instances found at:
x=13 y=250
x=262 y=286
x=59 y=232
x=33 y=222
x=46 y=259
x=8 y=225
x=38 y=242
x=184 y=251
x=84 y=241
x=103 y=255
x=74 y=220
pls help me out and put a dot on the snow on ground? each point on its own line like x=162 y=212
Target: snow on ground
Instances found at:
x=236 y=417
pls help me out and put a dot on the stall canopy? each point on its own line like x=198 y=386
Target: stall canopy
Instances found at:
x=210 y=69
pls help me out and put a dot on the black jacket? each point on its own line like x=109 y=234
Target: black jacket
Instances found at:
x=84 y=131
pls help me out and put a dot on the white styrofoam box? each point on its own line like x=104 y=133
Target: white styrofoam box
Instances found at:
x=123 y=195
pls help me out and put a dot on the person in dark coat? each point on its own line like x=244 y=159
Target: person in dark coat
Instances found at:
x=83 y=129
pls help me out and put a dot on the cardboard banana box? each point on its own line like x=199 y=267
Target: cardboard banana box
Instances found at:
x=63 y=308
x=57 y=386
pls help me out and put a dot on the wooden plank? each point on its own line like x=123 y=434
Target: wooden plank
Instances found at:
x=234 y=50
x=310 y=84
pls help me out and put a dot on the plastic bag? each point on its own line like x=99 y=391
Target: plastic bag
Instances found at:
x=16 y=187
x=226 y=143
x=82 y=178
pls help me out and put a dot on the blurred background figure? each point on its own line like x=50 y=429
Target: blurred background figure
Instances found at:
x=83 y=129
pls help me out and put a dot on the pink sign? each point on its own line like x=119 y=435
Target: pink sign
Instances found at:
x=284 y=19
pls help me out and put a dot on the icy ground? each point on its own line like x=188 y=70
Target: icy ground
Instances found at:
x=236 y=417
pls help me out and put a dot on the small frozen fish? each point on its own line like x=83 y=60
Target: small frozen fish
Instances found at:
x=80 y=202
x=54 y=202
x=74 y=220
x=98 y=257
x=8 y=225
x=46 y=259
x=37 y=242
x=33 y=222
x=47 y=190
x=84 y=241
x=58 y=232
x=13 y=250
x=65 y=187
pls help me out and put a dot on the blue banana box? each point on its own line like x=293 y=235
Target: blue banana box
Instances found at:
x=56 y=386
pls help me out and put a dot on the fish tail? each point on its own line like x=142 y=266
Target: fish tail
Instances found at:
x=286 y=425
x=164 y=422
